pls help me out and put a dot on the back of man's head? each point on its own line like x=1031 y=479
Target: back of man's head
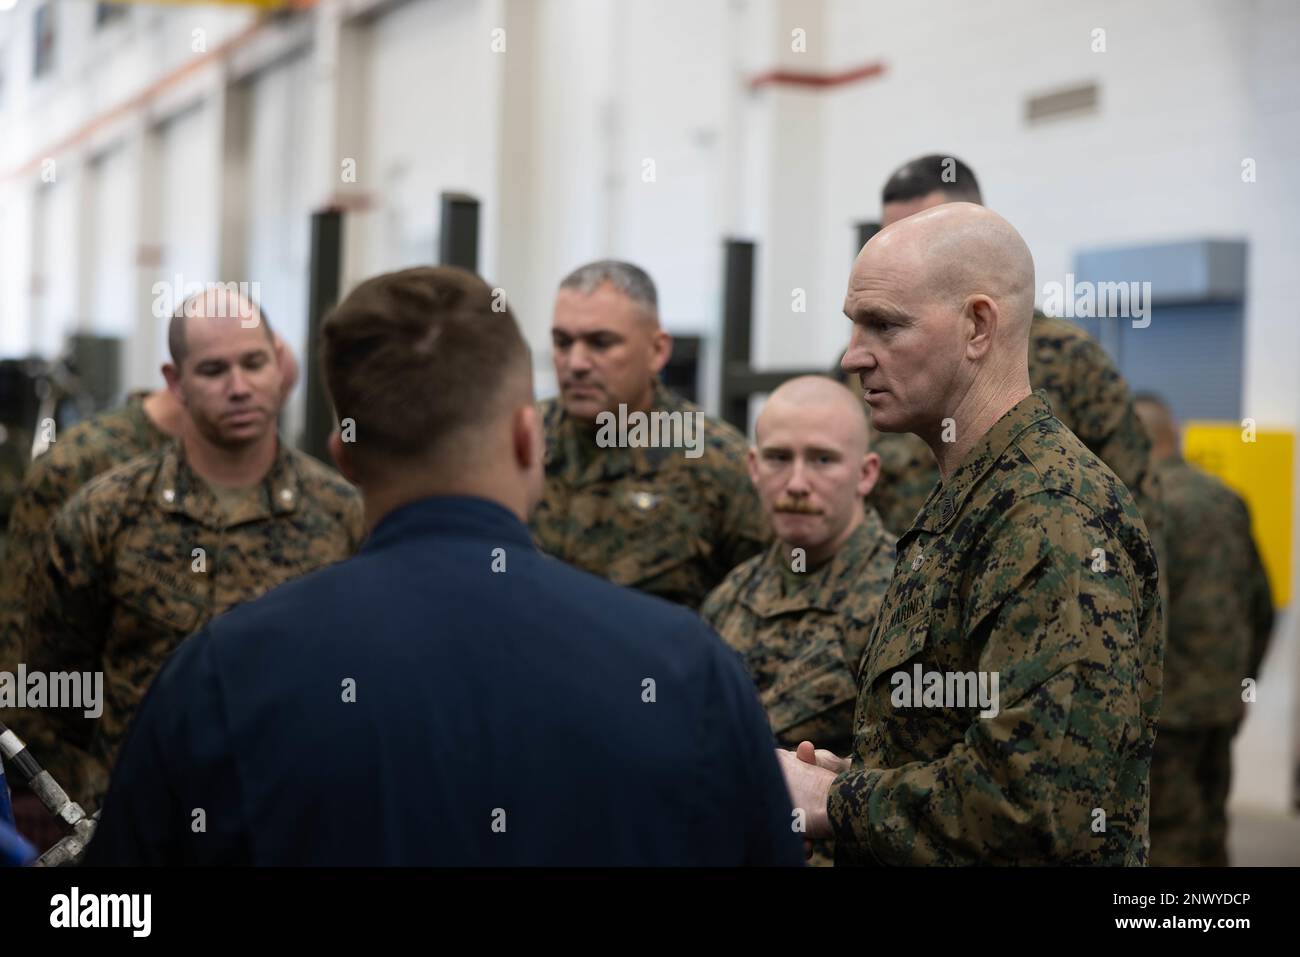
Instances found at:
x=924 y=182
x=425 y=366
x=1158 y=421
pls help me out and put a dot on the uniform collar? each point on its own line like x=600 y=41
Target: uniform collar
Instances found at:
x=571 y=455
x=767 y=600
x=947 y=498
x=180 y=489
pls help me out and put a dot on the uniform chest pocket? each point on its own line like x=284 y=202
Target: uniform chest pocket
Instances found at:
x=655 y=537
x=159 y=606
x=892 y=647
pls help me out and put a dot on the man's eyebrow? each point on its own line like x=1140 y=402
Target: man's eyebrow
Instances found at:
x=879 y=314
x=594 y=333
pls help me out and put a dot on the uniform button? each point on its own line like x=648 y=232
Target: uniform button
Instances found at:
x=286 y=496
x=169 y=495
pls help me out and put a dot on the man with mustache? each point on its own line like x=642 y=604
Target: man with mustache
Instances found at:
x=150 y=551
x=799 y=614
x=1029 y=562
x=669 y=521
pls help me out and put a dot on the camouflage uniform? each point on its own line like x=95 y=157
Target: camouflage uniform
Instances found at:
x=118 y=584
x=1003 y=573
x=1088 y=395
x=802 y=635
x=74 y=458
x=1220 y=621
x=650 y=518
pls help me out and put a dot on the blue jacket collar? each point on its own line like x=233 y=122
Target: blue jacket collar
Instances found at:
x=455 y=516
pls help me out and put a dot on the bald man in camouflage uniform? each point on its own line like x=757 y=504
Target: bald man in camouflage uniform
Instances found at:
x=654 y=518
x=1029 y=564
x=147 y=553
x=1086 y=391
x=799 y=614
x=801 y=619
x=146 y=423
x=1220 y=623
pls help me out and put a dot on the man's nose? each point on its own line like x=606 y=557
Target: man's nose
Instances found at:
x=579 y=358
x=798 y=483
x=239 y=384
x=857 y=356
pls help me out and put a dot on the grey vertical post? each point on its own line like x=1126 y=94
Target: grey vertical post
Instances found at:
x=737 y=319
x=322 y=296
x=865 y=231
x=458 y=231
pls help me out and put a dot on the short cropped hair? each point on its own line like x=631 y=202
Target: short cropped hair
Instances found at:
x=176 y=342
x=632 y=281
x=417 y=357
x=927 y=174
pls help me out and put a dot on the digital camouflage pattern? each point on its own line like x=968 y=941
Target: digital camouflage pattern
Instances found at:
x=119 y=583
x=75 y=457
x=1220 y=622
x=801 y=635
x=1087 y=394
x=649 y=518
x=1220 y=608
x=1031 y=562
x=1191 y=774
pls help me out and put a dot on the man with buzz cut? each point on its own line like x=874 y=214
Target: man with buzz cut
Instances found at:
x=146 y=553
x=663 y=518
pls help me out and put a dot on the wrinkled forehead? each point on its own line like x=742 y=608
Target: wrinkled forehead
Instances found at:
x=890 y=276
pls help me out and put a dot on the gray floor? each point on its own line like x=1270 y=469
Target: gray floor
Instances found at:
x=1263 y=838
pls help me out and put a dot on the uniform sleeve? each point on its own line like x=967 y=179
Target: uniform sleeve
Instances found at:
x=1097 y=407
x=45 y=488
x=716 y=604
x=1022 y=786
x=176 y=797
x=1259 y=596
x=68 y=614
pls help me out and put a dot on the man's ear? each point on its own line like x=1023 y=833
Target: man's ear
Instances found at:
x=342 y=457
x=288 y=363
x=982 y=315
x=870 y=474
x=172 y=376
x=662 y=350
x=526 y=437
x=751 y=461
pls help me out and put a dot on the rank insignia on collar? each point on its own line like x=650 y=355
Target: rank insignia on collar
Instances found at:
x=917 y=562
x=644 y=500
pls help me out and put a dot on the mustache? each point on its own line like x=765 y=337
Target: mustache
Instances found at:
x=796 y=507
